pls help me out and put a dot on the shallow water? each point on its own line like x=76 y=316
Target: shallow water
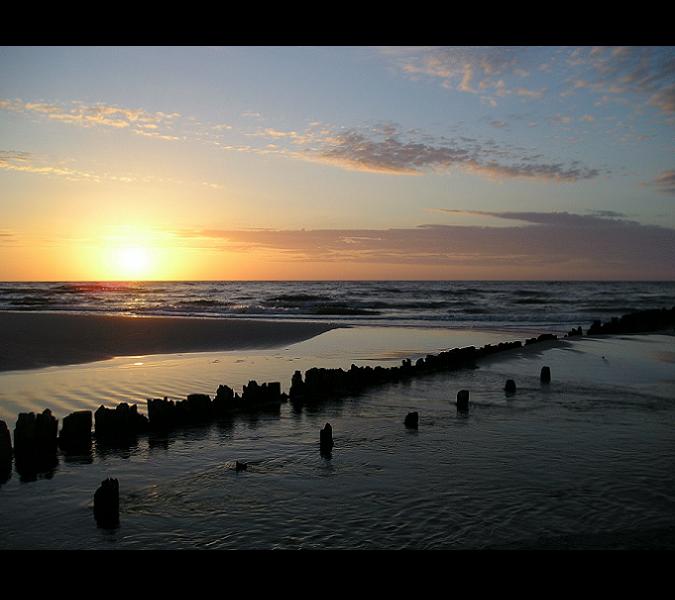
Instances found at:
x=586 y=461
x=134 y=379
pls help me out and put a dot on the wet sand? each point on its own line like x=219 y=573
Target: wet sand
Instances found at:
x=34 y=340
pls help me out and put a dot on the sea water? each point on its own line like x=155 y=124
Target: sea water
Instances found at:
x=556 y=305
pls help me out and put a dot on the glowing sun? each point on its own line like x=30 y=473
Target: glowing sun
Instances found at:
x=133 y=262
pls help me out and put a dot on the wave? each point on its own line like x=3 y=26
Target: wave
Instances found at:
x=298 y=298
x=342 y=310
x=426 y=303
x=99 y=288
x=31 y=301
x=202 y=302
x=533 y=301
x=528 y=293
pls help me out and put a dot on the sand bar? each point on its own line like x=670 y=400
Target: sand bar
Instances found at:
x=34 y=340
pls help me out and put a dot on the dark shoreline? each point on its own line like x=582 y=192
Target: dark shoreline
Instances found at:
x=35 y=340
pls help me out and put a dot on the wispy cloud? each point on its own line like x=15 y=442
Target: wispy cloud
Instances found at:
x=645 y=72
x=26 y=162
x=7 y=237
x=557 y=172
x=388 y=150
x=599 y=218
x=550 y=244
x=491 y=72
x=664 y=182
x=156 y=125
x=616 y=73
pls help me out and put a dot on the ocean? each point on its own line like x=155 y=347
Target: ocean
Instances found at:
x=586 y=462
x=550 y=305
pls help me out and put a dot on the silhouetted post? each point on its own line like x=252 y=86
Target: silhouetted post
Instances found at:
x=326 y=439
x=510 y=387
x=107 y=504
x=545 y=376
x=298 y=386
x=76 y=431
x=463 y=401
x=5 y=452
x=411 y=420
x=35 y=440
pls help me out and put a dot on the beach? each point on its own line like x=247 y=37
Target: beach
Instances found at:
x=584 y=462
x=32 y=340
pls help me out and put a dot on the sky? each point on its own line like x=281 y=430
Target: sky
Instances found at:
x=274 y=163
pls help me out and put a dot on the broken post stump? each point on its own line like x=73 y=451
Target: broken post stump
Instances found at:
x=463 y=400
x=326 y=439
x=107 y=504
x=412 y=420
x=545 y=375
x=76 y=431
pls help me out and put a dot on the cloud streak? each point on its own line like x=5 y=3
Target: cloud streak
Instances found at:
x=665 y=182
x=155 y=125
x=490 y=72
x=644 y=72
x=25 y=162
x=386 y=150
x=551 y=245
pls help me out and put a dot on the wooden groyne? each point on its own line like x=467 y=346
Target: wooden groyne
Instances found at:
x=36 y=440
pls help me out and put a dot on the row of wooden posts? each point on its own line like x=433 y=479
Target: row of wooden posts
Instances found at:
x=36 y=436
x=106 y=498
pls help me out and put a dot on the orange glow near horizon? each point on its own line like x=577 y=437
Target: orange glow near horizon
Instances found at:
x=135 y=253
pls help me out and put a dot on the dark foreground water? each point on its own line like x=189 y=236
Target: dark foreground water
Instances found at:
x=554 y=305
x=586 y=462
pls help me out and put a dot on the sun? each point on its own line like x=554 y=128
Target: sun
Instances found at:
x=133 y=262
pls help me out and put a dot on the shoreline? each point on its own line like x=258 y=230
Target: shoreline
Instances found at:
x=38 y=340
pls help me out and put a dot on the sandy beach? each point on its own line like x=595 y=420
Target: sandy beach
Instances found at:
x=33 y=340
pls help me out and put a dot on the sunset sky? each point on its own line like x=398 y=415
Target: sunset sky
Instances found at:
x=337 y=163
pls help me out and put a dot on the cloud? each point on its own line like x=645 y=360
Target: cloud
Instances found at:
x=411 y=153
x=534 y=94
x=550 y=245
x=647 y=72
x=664 y=99
x=643 y=74
x=155 y=125
x=546 y=172
x=356 y=150
x=599 y=218
x=560 y=119
x=12 y=160
x=476 y=70
x=27 y=163
x=665 y=182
